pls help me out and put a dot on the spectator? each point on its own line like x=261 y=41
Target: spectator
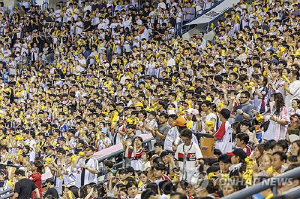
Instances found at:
x=102 y=73
x=188 y=155
x=51 y=191
x=224 y=134
x=243 y=111
x=242 y=140
x=24 y=186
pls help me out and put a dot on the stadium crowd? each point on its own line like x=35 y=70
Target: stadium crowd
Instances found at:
x=91 y=74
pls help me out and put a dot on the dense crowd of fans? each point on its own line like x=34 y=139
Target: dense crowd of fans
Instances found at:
x=87 y=75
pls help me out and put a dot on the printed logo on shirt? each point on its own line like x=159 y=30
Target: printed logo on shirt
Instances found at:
x=189 y=157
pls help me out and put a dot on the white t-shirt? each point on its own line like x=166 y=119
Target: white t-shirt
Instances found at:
x=192 y=152
x=187 y=156
x=209 y=117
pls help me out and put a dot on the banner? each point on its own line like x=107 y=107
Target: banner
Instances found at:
x=214 y=13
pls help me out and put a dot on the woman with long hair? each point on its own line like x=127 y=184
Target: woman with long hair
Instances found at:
x=279 y=118
x=136 y=154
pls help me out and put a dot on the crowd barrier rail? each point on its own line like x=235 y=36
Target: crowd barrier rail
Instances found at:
x=117 y=150
x=270 y=183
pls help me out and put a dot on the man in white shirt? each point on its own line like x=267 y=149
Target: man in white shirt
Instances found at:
x=88 y=168
x=57 y=14
x=102 y=25
x=79 y=26
x=87 y=7
x=171 y=61
x=188 y=155
x=162 y=5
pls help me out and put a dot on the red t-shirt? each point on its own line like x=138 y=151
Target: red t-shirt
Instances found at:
x=37 y=179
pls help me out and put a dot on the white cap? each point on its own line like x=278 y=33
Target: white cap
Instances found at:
x=193 y=111
x=294 y=137
x=171 y=112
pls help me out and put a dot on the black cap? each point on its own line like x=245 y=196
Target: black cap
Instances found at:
x=225 y=113
x=130 y=169
x=90 y=147
x=238 y=152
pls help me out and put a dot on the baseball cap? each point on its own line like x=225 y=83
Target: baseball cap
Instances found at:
x=171 y=112
x=180 y=121
x=90 y=147
x=112 y=170
x=225 y=113
x=130 y=169
x=238 y=152
x=139 y=104
x=193 y=111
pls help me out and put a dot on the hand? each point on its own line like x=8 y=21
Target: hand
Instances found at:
x=206 y=128
x=128 y=142
x=272 y=118
x=232 y=96
x=239 y=111
x=83 y=166
x=224 y=90
x=285 y=86
x=198 y=118
x=203 y=114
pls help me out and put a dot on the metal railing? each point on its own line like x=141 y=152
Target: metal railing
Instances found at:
x=147 y=145
x=185 y=28
x=5 y=192
x=294 y=193
x=267 y=184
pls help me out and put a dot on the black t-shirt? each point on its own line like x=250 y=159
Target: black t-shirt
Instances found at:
x=87 y=25
x=51 y=192
x=24 y=188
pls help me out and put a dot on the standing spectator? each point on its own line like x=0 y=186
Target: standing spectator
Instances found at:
x=279 y=119
x=136 y=154
x=24 y=186
x=224 y=134
x=163 y=128
x=36 y=169
x=188 y=12
x=88 y=167
x=188 y=155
